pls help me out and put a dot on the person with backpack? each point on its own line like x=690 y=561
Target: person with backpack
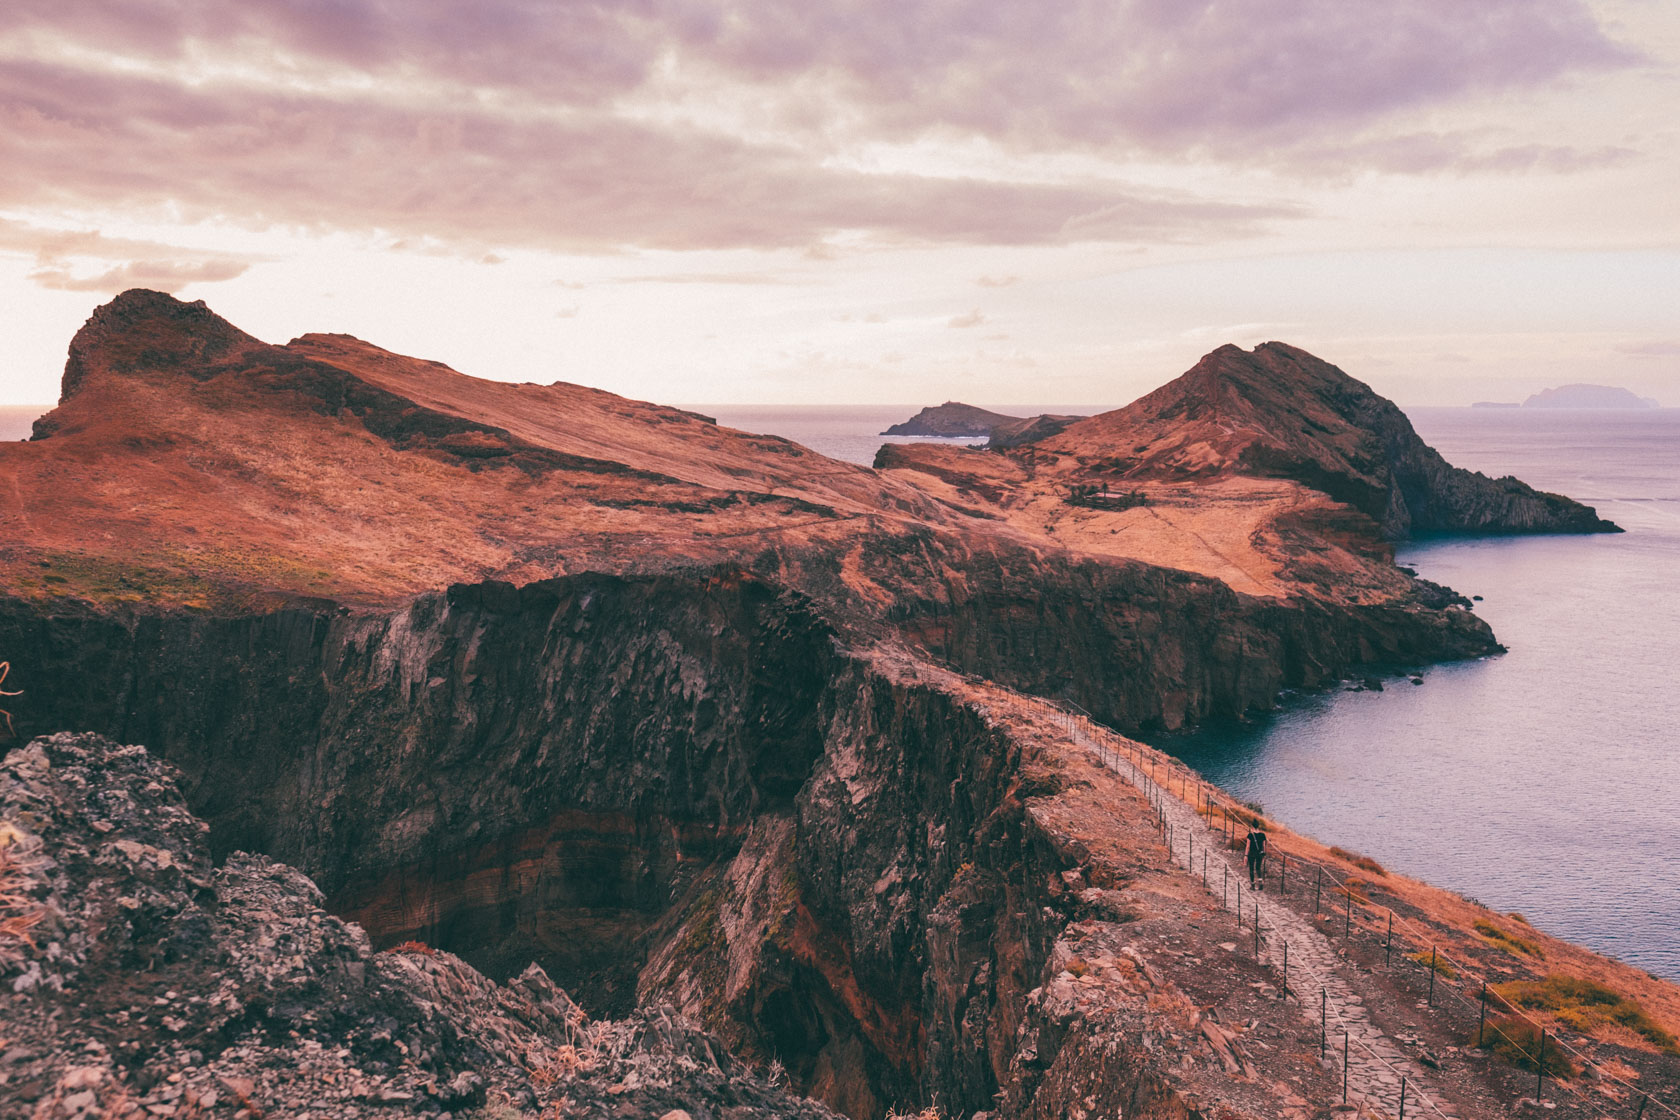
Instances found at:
x=1257 y=857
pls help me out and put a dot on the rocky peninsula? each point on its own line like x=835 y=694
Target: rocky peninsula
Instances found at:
x=576 y=709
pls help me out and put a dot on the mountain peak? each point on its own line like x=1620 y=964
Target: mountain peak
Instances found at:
x=1278 y=411
x=141 y=331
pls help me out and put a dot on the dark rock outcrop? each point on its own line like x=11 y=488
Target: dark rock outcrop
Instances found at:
x=1027 y=430
x=1280 y=412
x=141 y=981
x=953 y=418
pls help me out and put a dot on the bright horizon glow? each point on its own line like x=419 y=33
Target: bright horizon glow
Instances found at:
x=705 y=205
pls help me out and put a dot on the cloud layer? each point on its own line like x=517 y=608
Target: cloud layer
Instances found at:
x=685 y=125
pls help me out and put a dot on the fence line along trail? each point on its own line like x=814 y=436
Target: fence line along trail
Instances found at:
x=1376 y=1064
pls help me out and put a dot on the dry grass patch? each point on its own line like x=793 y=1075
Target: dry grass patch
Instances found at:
x=1518 y=1042
x=1510 y=942
x=1443 y=967
x=1364 y=863
x=1586 y=1006
x=1355 y=889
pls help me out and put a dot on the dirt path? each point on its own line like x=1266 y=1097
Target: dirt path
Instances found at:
x=1317 y=976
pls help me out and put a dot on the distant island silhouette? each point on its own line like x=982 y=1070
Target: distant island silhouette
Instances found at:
x=1578 y=396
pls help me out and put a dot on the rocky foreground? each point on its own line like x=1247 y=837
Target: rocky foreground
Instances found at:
x=139 y=980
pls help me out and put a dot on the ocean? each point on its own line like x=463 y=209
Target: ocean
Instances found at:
x=1545 y=780
x=16 y=419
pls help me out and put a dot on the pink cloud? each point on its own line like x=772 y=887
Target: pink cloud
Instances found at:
x=163 y=276
x=148 y=264
x=533 y=150
x=593 y=181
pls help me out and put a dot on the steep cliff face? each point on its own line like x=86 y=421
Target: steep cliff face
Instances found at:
x=684 y=789
x=1279 y=412
x=571 y=773
x=1141 y=646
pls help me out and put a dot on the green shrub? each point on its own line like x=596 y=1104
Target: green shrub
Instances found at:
x=1442 y=966
x=1517 y=1041
x=1509 y=942
x=1586 y=1005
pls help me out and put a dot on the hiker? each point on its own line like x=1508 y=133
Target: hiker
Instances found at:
x=1257 y=857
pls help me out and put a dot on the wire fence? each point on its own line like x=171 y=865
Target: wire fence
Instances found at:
x=1160 y=776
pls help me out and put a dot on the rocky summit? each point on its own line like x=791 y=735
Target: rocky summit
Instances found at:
x=523 y=750
x=1279 y=412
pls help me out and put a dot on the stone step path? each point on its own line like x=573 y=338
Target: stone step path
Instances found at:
x=1375 y=1062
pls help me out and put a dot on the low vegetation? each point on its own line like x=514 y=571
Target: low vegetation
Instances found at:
x=1364 y=863
x=1518 y=1042
x=1094 y=496
x=1510 y=942
x=1443 y=967
x=1586 y=1006
x=19 y=912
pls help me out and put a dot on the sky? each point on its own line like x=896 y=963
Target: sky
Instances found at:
x=882 y=201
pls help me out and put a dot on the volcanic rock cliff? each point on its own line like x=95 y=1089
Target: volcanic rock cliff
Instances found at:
x=536 y=673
